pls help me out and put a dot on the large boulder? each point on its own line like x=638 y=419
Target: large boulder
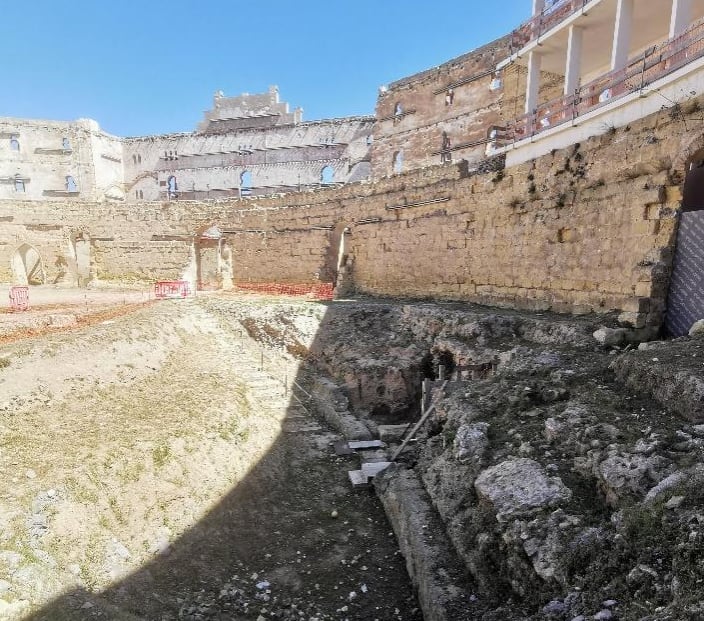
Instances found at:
x=626 y=474
x=519 y=487
x=471 y=443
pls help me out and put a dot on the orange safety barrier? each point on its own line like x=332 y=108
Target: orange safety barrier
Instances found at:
x=171 y=289
x=19 y=298
x=319 y=291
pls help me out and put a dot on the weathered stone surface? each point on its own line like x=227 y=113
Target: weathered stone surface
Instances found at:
x=471 y=442
x=610 y=336
x=520 y=486
x=630 y=475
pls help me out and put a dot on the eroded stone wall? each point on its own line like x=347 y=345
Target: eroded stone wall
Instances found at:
x=587 y=228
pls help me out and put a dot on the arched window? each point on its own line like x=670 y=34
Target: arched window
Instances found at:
x=19 y=184
x=71 y=184
x=398 y=109
x=66 y=144
x=398 y=161
x=134 y=159
x=14 y=143
x=245 y=183
x=141 y=194
x=139 y=159
x=327 y=175
x=172 y=187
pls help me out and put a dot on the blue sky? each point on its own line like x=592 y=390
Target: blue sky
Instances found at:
x=152 y=66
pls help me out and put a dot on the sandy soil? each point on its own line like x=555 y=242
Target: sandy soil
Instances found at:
x=153 y=472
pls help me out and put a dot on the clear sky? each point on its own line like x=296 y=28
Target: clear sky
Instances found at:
x=151 y=66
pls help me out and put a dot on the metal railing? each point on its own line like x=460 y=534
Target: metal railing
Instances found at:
x=550 y=17
x=655 y=63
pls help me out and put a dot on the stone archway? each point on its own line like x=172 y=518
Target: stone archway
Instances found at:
x=27 y=266
x=81 y=249
x=213 y=259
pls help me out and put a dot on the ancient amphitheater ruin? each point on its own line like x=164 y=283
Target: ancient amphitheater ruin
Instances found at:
x=442 y=362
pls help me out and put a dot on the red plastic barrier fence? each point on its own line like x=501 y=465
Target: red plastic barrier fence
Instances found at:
x=19 y=298
x=171 y=289
x=319 y=291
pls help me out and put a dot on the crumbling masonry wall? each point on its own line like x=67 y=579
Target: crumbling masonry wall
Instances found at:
x=588 y=228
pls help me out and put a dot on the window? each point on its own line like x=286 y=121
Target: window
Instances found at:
x=496 y=82
x=141 y=194
x=71 y=184
x=398 y=161
x=449 y=97
x=398 y=109
x=19 y=184
x=445 y=155
x=14 y=143
x=327 y=175
x=134 y=159
x=172 y=187
x=66 y=144
x=139 y=159
x=370 y=140
x=136 y=192
x=245 y=183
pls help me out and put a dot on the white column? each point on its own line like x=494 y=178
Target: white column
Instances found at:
x=574 y=60
x=533 y=85
x=538 y=6
x=681 y=17
x=622 y=34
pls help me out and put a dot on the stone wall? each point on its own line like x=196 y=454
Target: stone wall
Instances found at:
x=455 y=98
x=587 y=228
x=55 y=160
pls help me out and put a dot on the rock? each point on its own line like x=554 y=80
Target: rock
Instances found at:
x=471 y=443
x=30 y=474
x=554 y=609
x=553 y=429
x=609 y=603
x=610 y=336
x=664 y=486
x=674 y=502
x=520 y=486
x=697 y=328
x=62 y=321
x=627 y=474
x=603 y=615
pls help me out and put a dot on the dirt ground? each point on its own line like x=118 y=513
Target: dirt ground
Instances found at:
x=153 y=472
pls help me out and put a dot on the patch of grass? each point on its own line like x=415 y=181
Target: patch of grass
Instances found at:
x=161 y=454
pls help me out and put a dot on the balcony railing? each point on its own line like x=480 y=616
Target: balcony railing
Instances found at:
x=550 y=17
x=655 y=63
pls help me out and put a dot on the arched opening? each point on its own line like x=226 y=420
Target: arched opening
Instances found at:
x=327 y=175
x=19 y=184
x=398 y=109
x=65 y=144
x=27 y=266
x=398 y=162
x=81 y=254
x=14 y=143
x=71 y=185
x=245 y=183
x=172 y=187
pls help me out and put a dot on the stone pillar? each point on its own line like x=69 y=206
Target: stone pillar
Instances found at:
x=538 y=7
x=681 y=17
x=622 y=34
x=533 y=85
x=574 y=60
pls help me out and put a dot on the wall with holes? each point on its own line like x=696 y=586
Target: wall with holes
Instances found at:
x=460 y=98
x=586 y=228
x=55 y=160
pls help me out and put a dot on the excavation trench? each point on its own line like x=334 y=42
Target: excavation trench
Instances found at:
x=156 y=471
